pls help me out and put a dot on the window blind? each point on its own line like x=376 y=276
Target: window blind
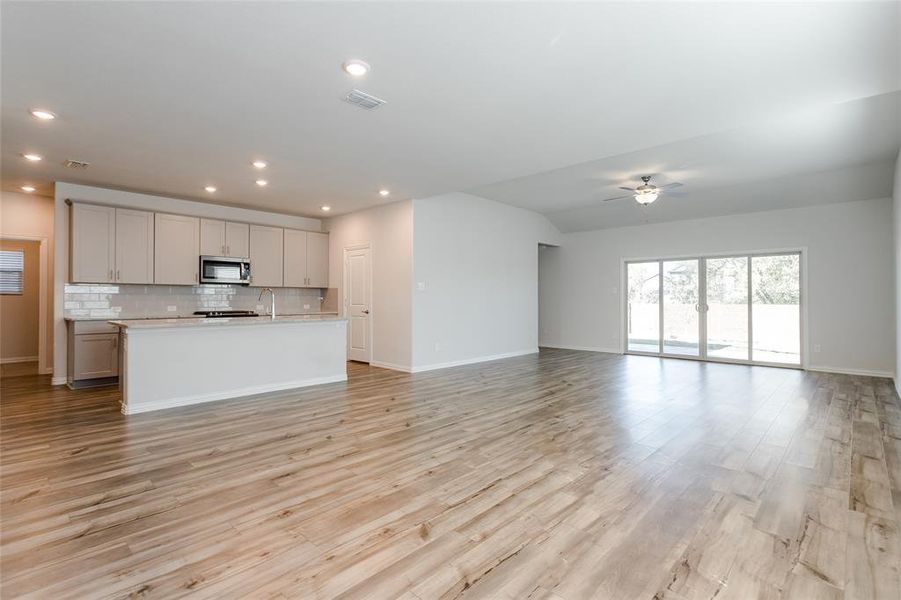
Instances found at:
x=12 y=263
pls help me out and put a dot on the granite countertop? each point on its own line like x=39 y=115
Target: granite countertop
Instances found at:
x=332 y=314
x=233 y=321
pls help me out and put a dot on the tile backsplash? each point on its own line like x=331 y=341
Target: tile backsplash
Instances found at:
x=88 y=301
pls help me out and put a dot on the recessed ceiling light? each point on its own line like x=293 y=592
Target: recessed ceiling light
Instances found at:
x=384 y=192
x=33 y=157
x=326 y=208
x=28 y=188
x=259 y=164
x=44 y=115
x=262 y=182
x=210 y=188
x=356 y=68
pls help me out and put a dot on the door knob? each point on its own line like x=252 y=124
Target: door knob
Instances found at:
x=365 y=312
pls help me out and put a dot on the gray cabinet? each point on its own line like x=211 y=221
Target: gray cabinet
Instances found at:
x=306 y=259
x=92 y=253
x=176 y=250
x=93 y=353
x=134 y=246
x=224 y=238
x=266 y=256
x=110 y=245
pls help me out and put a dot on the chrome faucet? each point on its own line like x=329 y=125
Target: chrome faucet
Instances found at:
x=272 y=296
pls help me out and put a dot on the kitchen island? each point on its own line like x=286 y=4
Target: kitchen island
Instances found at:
x=176 y=362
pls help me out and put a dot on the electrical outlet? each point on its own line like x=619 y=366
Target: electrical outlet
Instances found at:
x=171 y=308
x=816 y=348
x=420 y=285
x=437 y=346
x=306 y=307
x=259 y=308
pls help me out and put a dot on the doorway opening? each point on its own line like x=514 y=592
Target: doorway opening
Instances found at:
x=744 y=308
x=22 y=298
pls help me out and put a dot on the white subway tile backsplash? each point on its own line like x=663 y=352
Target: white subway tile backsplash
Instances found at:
x=141 y=301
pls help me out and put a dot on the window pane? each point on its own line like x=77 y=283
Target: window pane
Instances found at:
x=643 y=318
x=727 y=307
x=680 y=307
x=776 y=306
x=12 y=263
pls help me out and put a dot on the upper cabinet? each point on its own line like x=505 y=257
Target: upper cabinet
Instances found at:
x=306 y=259
x=122 y=245
x=111 y=245
x=221 y=238
x=134 y=246
x=266 y=256
x=177 y=249
x=212 y=237
x=93 y=236
x=317 y=260
x=237 y=240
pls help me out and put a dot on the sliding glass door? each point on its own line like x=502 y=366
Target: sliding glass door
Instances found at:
x=744 y=308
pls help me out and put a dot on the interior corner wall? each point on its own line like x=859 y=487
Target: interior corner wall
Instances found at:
x=388 y=230
x=475 y=275
x=896 y=220
x=30 y=216
x=850 y=302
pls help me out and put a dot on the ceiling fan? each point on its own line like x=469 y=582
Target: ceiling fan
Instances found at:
x=645 y=193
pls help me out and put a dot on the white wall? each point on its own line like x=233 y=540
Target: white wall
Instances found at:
x=388 y=230
x=478 y=262
x=896 y=195
x=29 y=216
x=71 y=191
x=850 y=283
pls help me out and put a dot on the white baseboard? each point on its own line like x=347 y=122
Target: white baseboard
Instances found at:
x=18 y=359
x=59 y=381
x=584 y=348
x=392 y=366
x=843 y=371
x=229 y=394
x=470 y=361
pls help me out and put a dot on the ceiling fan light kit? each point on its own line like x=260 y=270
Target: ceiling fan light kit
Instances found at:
x=647 y=192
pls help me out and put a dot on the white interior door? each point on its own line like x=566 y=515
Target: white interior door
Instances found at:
x=357 y=303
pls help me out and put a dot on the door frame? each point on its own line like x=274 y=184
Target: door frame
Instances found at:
x=344 y=273
x=43 y=252
x=802 y=301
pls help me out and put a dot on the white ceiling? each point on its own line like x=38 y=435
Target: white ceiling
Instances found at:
x=544 y=105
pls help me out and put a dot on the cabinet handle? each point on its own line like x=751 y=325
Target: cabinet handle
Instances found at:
x=117 y=274
x=223 y=250
x=228 y=250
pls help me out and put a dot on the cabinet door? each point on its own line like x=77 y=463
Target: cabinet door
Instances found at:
x=93 y=243
x=212 y=237
x=295 y=258
x=134 y=246
x=317 y=260
x=237 y=240
x=176 y=249
x=96 y=355
x=266 y=256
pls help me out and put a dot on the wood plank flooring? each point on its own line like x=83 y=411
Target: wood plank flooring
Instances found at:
x=559 y=476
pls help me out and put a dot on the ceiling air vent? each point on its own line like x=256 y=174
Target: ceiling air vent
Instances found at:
x=76 y=164
x=363 y=100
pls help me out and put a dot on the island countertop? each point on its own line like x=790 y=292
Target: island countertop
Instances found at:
x=183 y=323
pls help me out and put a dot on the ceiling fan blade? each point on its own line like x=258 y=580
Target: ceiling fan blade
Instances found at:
x=669 y=186
x=676 y=194
x=628 y=189
x=615 y=198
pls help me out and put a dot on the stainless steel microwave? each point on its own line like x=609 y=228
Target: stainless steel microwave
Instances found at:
x=224 y=269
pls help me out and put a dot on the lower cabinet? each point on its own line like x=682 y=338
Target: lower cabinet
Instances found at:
x=93 y=353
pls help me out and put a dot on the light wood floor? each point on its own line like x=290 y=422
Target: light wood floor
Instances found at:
x=567 y=475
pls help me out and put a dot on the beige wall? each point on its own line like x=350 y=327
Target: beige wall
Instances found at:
x=19 y=312
x=28 y=216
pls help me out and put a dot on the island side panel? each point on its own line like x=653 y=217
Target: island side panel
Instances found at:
x=178 y=366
